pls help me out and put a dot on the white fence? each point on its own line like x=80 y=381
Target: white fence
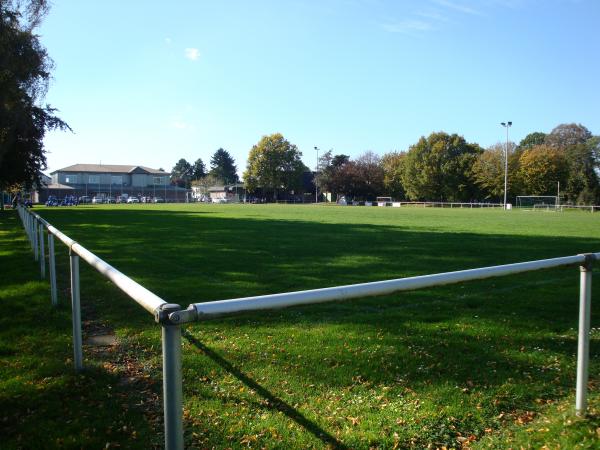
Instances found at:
x=171 y=316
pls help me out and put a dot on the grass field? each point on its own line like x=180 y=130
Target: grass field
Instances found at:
x=483 y=364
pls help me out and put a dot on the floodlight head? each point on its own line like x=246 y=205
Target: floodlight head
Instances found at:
x=503 y=124
x=509 y=124
x=316 y=148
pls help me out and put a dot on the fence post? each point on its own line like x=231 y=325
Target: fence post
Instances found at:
x=172 y=384
x=34 y=235
x=76 y=313
x=583 y=342
x=52 y=265
x=42 y=252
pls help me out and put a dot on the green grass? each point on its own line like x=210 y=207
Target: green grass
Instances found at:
x=485 y=363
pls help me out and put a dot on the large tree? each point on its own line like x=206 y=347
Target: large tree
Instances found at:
x=222 y=166
x=567 y=134
x=488 y=171
x=532 y=139
x=198 y=169
x=24 y=76
x=274 y=166
x=438 y=167
x=393 y=166
x=181 y=173
x=541 y=168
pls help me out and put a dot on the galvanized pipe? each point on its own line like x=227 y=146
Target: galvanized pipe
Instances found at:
x=52 y=265
x=34 y=235
x=207 y=310
x=172 y=387
x=583 y=342
x=76 y=313
x=42 y=252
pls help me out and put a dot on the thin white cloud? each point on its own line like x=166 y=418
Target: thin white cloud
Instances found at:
x=407 y=26
x=180 y=124
x=168 y=41
x=192 y=53
x=432 y=15
x=460 y=7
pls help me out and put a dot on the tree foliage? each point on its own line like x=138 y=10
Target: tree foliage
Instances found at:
x=439 y=168
x=532 y=139
x=198 y=169
x=274 y=165
x=181 y=173
x=488 y=171
x=393 y=166
x=567 y=134
x=24 y=76
x=541 y=168
x=222 y=166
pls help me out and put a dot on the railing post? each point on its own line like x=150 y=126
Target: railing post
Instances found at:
x=583 y=342
x=172 y=384
x=76 y=313
x=34 y=235
x=52 y=265
x=42 y=252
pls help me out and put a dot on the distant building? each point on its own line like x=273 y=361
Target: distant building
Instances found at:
x=109 y=180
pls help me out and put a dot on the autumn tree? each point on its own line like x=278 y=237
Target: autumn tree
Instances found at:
x=567 y=134
x=438 y=167
x=488 y=171
x=222 y=166
x=24 y=76
x=540 y=168
x=275 y=166
x=393 y=166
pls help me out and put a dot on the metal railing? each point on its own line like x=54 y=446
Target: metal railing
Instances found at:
x=172 y=316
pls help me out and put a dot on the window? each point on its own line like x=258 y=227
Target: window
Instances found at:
x=94 y=179
x=71 y=179
x=159 y=180
x=116 y=179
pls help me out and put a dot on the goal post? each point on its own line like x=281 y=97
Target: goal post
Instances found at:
x=537 y=202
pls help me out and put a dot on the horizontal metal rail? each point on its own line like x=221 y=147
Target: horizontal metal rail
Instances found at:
x=148 y=300
x=208 y=310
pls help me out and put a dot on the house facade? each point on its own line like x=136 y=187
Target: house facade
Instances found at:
x=108 y=180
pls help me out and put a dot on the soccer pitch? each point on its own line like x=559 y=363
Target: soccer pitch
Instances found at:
x=474 y=363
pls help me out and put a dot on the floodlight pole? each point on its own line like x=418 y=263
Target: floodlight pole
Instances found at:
x=506 y=125
x=317 y=173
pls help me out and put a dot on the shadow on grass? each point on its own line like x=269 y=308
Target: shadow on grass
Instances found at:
x=274 y=402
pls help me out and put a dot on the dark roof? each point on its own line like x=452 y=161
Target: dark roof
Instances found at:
x=110 y=168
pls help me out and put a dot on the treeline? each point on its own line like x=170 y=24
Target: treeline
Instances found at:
x=222 y=171
x=445 y=167
x=439 y=167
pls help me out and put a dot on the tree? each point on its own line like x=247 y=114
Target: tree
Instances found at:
x=567 y=134
x=369 y=176
x=24 y=76
x=532 y=139
x=488 y=171
x=540 y=168
x=393 y=166
x=582 y=185
x=439 y=168
x=181 y=173
x=222 y=166
x=198 y=169
x=274 y=165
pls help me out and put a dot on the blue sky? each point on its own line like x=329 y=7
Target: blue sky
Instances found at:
x=149 y=82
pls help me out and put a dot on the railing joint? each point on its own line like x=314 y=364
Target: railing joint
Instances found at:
x=162 y=314
x=587 y=264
